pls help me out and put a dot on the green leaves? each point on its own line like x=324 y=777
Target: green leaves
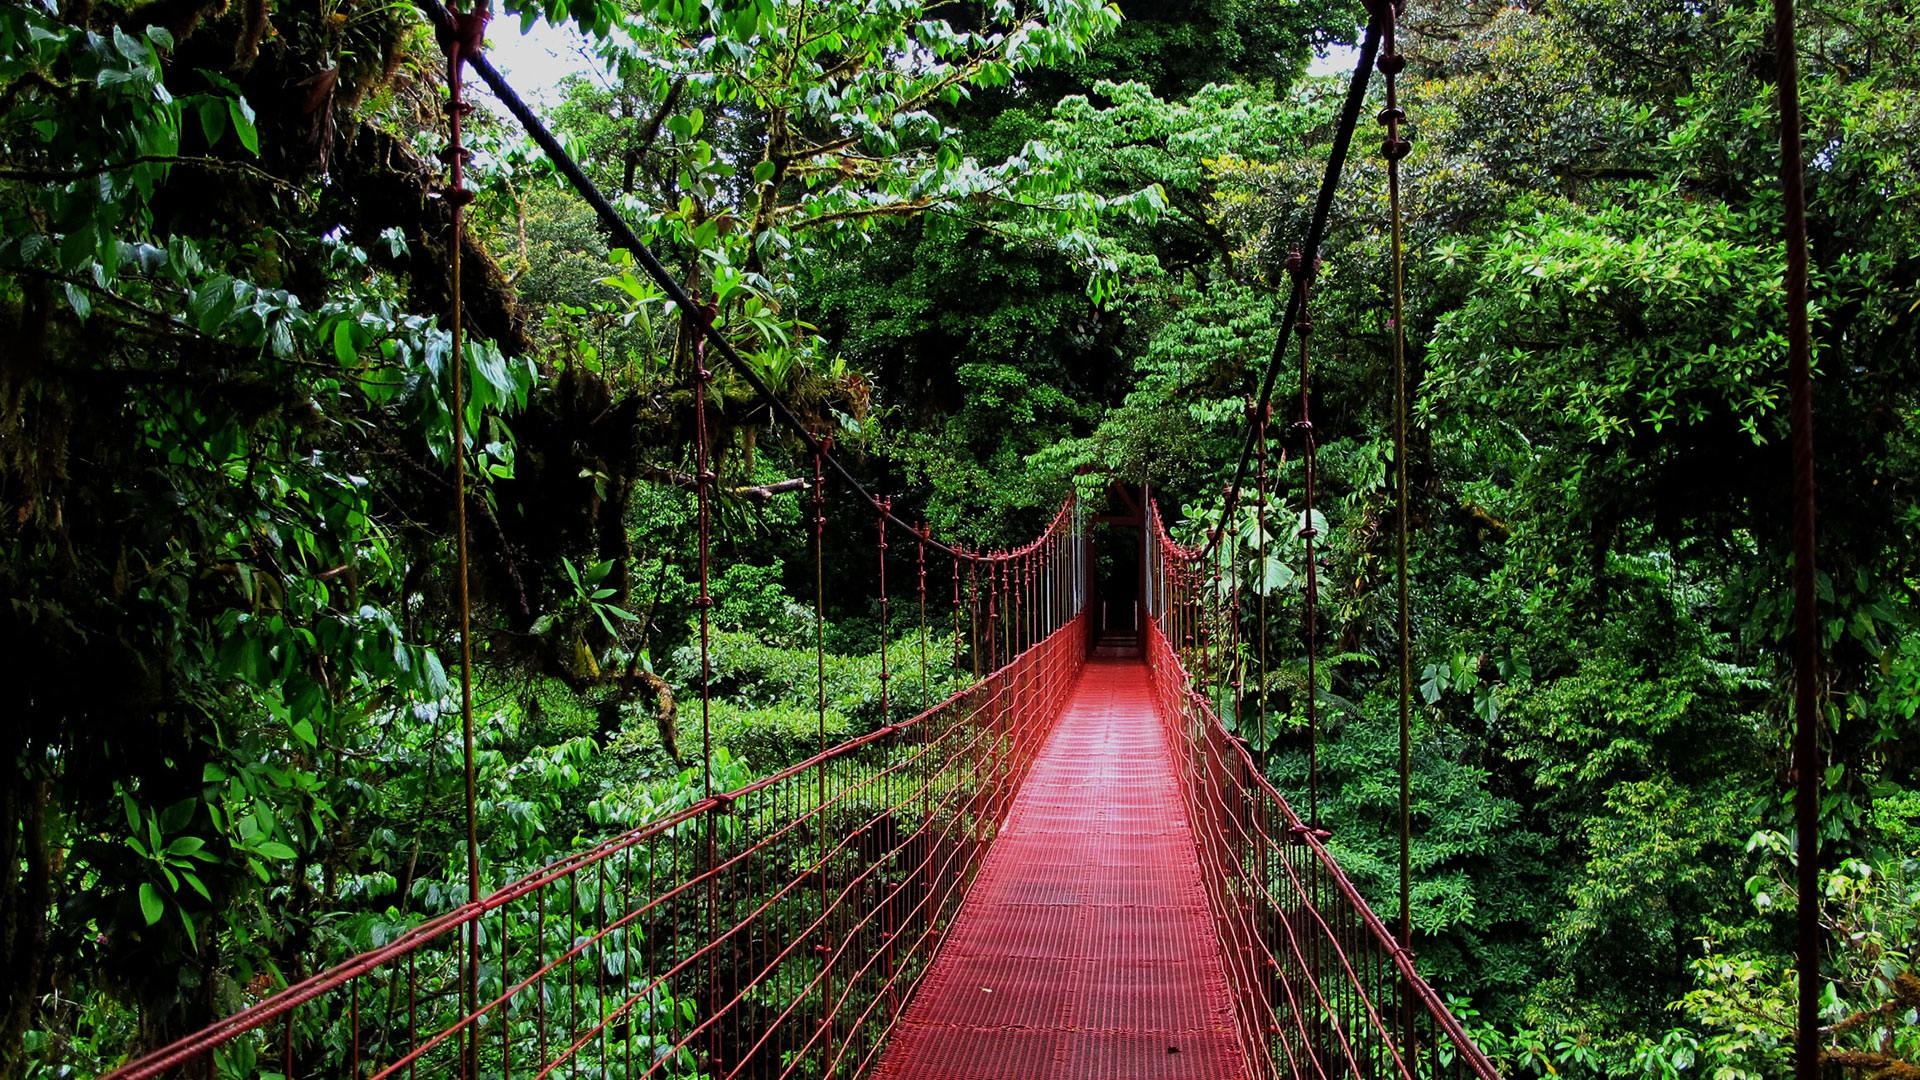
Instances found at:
x=844 y=142
x=688 y=124
x=212 y=113
x=240 y=114
x=151 y=906
x=1612 y=303
x=247 y=381
x=1274 y=575
x=591 y=594
x=177 y=861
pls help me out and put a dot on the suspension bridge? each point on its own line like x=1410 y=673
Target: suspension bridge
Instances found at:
x=1073 y=867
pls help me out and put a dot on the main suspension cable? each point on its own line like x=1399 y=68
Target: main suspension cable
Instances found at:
x=1316 y=232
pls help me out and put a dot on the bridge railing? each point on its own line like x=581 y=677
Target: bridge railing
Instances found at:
x=1320 y=986
x=772 y=931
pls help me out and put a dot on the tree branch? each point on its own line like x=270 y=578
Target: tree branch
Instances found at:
x=898 y=209
x=28 y=175
x=755 y=493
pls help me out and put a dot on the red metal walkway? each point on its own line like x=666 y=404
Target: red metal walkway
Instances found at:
x=1085 y=948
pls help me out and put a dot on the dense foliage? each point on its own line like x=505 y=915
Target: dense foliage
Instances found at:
x=1600 y=518
x=996 y=249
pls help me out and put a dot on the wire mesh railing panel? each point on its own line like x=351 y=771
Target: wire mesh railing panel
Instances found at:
x=1320 y=987
x=770 y=932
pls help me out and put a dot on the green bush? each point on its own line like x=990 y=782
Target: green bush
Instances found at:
x=751 y=673
x=768 y=739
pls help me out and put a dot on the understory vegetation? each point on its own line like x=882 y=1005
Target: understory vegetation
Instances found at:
x=998 y=252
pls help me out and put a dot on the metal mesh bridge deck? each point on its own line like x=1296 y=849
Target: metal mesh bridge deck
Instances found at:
x=1085 y=948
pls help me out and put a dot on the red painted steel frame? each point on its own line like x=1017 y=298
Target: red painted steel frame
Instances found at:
x=1321 y=988
x=773 y=931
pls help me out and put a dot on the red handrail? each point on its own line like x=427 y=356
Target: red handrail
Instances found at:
x=1335 y=993
x=903 y=815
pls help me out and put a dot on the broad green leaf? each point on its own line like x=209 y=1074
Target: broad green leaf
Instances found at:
x=240 y=113
x=212 y=113
x=151 y=905
x=343 y=346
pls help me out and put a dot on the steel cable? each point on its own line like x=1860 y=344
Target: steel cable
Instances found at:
x=1316 y=232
